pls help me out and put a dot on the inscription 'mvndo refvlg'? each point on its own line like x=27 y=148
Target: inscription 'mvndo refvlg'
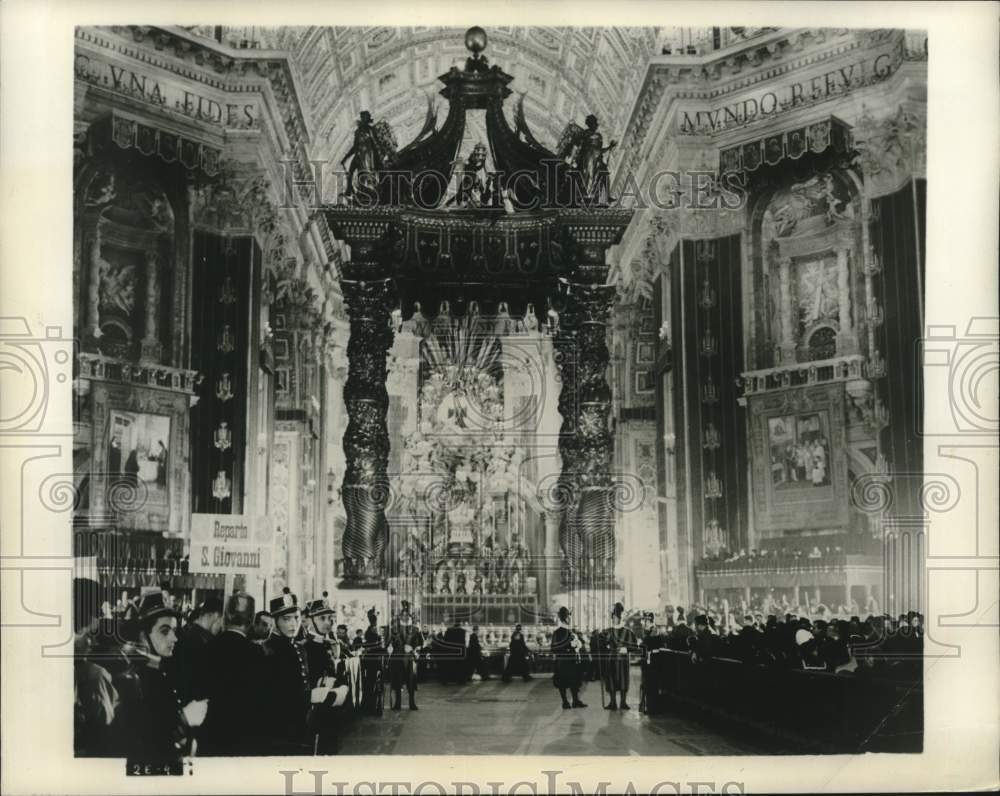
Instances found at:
x=835 y=82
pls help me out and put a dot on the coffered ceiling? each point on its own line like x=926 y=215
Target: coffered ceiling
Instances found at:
x=565 y=73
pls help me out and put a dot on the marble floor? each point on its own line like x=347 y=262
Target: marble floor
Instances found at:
x=526 y=718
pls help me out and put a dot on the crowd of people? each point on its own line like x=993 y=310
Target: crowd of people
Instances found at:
x=837 y=643
x=155 y=686
x=791 y=557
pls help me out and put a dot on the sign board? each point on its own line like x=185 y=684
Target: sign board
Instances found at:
x=227 y=544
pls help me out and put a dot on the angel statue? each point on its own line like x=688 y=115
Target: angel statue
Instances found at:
x=584 y=151
x=373 y=148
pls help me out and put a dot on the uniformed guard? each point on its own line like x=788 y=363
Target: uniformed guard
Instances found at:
x=404 y=647
x=343 y=641
x=616 y=643
x=326 y=670
x=319 y=619
x=290 y=692
x=157 y=728
x=567 y=648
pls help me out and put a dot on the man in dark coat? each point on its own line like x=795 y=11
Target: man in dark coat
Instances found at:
x=192 y=646
x=749 y=641
x=477 y=662
x=650 y=642
x=235 y=672
x=288 y=687
x=704 y=642
x=617 y=642
x=156 y=726
x=567 y=648
x=453 y=653
x=679 y=636
x=404 y=647
x=373 y=654
x=517 y=663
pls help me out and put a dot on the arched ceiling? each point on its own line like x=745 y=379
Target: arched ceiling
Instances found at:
x=565 y=74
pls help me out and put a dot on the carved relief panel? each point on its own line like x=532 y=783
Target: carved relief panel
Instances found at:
x=125 y=269
x=809 y=237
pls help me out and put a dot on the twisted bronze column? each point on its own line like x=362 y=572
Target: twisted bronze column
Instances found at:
x=564 y=497
x=365 y=490
x=591 y=518
x=587 y=533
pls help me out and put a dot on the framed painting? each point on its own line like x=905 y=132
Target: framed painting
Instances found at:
x=799 y=459
x=141 y=448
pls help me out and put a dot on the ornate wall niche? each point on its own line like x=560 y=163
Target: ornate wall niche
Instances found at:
x=808 y=282
x=128 y=281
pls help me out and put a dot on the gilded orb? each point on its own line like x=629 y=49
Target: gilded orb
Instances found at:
x=475 y=40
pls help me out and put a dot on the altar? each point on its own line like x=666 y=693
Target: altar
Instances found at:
x=480 y=609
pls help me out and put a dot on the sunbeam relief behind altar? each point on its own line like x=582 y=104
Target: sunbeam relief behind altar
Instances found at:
x=230 y=544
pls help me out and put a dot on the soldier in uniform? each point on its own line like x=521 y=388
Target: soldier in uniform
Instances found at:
x=404 y=647
x=326 y=670
x=342 y=640
x=157 y=727
x=616 y=643
x=566 y=650
x=289 y=686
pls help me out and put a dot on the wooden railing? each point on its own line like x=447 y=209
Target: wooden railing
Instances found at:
x=794 y=709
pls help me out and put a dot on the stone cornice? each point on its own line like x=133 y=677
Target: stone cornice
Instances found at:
x=715 y=76
x=191 y=58
x=98 y=367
